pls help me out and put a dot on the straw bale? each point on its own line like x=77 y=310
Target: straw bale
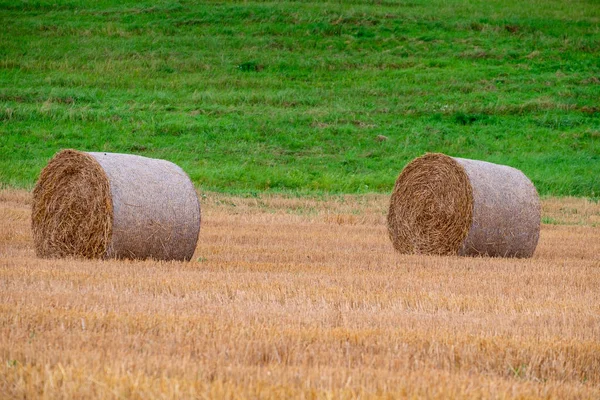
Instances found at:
x=107 y=205
x=455 y=206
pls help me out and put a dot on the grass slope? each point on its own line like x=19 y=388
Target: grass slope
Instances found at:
x=291 y=96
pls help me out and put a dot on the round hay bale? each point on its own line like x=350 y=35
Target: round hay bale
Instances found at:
x=454 y=206
x=106 y=205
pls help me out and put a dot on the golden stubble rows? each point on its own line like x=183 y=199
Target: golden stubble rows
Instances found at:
x=305 y=298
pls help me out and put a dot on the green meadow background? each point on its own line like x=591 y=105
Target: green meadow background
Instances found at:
x=304 y=97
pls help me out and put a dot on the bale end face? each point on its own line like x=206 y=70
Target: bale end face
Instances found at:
x=431 y=207
x=72 y=208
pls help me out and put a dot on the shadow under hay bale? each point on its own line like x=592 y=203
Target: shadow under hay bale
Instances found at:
x=106 y=205
x=453 y=206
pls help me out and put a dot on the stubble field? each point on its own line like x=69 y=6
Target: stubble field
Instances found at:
x=303 y=298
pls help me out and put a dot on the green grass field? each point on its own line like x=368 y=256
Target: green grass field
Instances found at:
x=291 y=96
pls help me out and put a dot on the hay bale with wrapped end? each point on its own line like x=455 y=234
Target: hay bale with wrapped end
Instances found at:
x=106 y=205
x=454 y=206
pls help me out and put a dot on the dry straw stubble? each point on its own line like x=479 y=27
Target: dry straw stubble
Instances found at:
x=290 y=302
x=114 y=205
x=445 y=205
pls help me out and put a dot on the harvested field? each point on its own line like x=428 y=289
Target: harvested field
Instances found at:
x=303 y=298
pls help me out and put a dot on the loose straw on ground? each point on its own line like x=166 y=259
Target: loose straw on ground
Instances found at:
x=454 y=206
x=106 y=205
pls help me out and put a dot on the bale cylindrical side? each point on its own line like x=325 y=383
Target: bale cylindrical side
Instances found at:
x=148 y=207
x=506 y=211
x=446 y=205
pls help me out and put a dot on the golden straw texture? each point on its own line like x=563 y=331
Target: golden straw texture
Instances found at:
x=431 y=207
x=72 y=209
x=151 y=208
x=455 y=206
